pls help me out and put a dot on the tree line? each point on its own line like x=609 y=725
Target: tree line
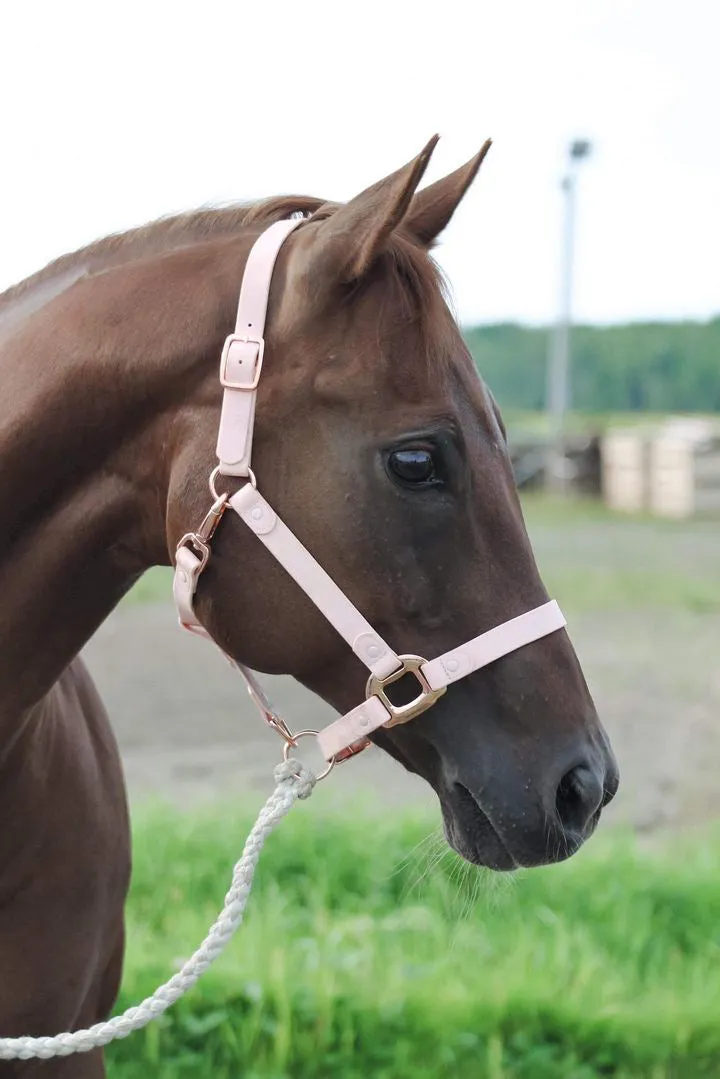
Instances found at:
x=644 y=366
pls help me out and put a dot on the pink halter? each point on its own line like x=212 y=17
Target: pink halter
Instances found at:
x=240 y=369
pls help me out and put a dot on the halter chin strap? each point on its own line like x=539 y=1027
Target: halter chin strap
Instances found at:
x=240 y=368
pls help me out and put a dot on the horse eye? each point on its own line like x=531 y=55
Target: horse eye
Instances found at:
x=413 y=468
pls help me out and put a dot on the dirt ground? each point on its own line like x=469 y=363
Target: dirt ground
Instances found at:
x=189 y=735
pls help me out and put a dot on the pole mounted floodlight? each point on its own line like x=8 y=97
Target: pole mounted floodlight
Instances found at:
x=579 y=148
x=558 y=390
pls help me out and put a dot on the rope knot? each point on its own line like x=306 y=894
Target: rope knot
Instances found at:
x=292 y=771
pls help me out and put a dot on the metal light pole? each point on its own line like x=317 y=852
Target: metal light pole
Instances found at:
x=558 y=385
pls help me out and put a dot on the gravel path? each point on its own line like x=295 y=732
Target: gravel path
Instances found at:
x=189 y=735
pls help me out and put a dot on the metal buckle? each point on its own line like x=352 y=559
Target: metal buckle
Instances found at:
x=236 y=338
x=401 y=713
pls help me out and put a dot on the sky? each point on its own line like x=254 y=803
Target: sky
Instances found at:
x=114 y=114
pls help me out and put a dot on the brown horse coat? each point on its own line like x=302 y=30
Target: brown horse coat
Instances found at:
x=108 y=419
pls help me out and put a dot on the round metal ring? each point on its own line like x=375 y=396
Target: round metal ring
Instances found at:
x=216 y=472
x=289 y=746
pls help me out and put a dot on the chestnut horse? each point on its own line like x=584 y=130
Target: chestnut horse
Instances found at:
x=383 y=451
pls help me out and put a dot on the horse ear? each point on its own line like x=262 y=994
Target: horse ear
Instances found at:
x=350 y=239
x=432 y=208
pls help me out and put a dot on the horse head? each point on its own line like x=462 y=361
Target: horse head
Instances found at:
x=380 y=447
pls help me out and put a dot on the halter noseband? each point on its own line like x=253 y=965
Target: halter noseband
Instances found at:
x=240 y=369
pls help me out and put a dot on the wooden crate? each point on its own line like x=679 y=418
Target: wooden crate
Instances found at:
x=684 y=475
x=625 y=470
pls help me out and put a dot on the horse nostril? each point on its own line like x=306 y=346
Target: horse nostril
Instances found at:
x=610 y=787
x=579 y=796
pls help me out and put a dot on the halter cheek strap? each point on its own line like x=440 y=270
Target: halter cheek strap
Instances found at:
x=240 y=368
x=242 y=356
x=261 y=519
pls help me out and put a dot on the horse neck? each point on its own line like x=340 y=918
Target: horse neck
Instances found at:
x=96 y=384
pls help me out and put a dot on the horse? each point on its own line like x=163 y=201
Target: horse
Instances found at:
x=382 y=448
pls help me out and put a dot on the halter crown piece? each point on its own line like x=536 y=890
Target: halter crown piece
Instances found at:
x=240 y=370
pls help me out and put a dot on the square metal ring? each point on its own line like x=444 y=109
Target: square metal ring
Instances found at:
x=402 y=713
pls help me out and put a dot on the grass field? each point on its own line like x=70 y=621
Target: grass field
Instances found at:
x=521 y=423
x=593 y=559
x=388 y=959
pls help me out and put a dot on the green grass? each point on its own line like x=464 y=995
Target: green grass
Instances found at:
x=522 y=423
x=355 y=961
x=595 y=560
x=155 y=586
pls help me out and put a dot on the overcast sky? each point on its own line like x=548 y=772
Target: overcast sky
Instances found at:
x=113 y=114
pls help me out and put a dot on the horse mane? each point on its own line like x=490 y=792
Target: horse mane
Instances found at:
x=166 y=233
x=411 y=278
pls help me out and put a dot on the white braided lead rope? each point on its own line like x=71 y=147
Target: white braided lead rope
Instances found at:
x=293 y=781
